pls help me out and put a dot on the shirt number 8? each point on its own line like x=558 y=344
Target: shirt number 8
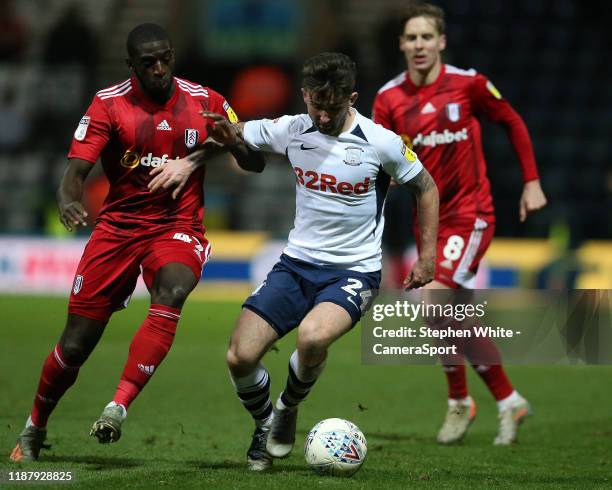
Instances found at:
x=453 y=248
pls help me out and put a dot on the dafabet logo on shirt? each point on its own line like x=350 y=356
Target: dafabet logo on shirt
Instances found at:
x=131 y=159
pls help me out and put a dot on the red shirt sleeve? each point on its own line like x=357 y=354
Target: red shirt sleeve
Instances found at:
x=92 y=133
x=380 y=112
x=221 y=106
x=488 y=102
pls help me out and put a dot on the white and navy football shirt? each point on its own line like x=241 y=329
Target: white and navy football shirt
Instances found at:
x=341 y=185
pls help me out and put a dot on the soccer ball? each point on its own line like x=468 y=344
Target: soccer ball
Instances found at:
x=335 y=447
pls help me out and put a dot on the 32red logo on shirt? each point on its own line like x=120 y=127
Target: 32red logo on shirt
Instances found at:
x=329 y=183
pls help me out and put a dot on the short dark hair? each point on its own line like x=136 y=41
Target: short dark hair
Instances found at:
x=422 y=9
x=145 y=33
x=330 y=75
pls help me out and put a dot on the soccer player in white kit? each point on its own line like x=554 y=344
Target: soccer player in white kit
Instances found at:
x=329 y=272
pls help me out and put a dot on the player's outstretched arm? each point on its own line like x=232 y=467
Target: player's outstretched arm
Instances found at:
x=532 y=199
x=175 y=173
x=223 y=137
x=231 y=136
x=426 y=192
x=70 y=193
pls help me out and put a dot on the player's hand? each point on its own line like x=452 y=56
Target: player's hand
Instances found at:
x=221 y=130
x=532 y=199
x=72 y=214
x=422 y=273
x=175 y=173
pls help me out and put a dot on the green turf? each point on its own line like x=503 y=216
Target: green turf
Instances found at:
x=187 y=429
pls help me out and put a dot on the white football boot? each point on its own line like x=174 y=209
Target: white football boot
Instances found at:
x=509 y=421
x=460 y=414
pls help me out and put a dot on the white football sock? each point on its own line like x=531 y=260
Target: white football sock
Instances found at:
x=509 y=401
x=453 y=402
x=123 y=409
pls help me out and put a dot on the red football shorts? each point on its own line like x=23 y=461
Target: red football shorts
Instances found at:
x=111 y=263
x=462 y=242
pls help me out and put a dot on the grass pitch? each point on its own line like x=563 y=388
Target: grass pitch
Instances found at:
x=187 y=429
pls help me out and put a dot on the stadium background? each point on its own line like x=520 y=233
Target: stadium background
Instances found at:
x=547 y=57
x=543 y=55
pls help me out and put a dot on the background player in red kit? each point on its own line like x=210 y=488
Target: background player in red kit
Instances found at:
x=133 y=127
x=434 y=107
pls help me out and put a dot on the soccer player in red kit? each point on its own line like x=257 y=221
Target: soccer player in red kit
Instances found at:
x=133 y=127
x=434 y=107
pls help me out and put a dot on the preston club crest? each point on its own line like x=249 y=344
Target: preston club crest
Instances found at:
x=353 y=155
x=453 y=111
x=191 y=138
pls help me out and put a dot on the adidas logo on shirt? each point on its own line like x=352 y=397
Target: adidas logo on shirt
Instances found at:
x=428 y=108
x=164 y=126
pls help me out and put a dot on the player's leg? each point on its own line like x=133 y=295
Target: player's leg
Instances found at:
x=462 y=244
x=171 y=285
x=61 y=367
x=324 y=324
x=512 y=407
x=341 y=299
x=251 y=339
x=104 y=269
x=482 y=352
x=59 y=373
x=274 y=309
x=461 y=410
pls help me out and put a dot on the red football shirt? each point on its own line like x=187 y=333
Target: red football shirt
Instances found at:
x=439 y=121
x=132 y=134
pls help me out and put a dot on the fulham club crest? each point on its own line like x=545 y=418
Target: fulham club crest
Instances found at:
x=453 y=111
x=78 y=284
x=191 y=138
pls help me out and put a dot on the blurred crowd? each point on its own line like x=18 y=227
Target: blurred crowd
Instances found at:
x=543 y=55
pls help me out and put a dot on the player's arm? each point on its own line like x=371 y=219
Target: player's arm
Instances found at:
x=423 y=187
x=70 y=194
x=91 y=136
x=404 y=166
x=228 y=136
x=488 y=101
x=223 y=137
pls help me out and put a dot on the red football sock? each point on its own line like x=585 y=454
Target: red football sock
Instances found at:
x=457 y=381
x=147 y=350
x=454 y=368
x=55 y=379
x=486 y=360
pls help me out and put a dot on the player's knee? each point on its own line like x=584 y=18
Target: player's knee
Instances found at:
x=74 y=353
x=232 y=359
x=174 y=296
x=311 y=339
x=239 y=361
